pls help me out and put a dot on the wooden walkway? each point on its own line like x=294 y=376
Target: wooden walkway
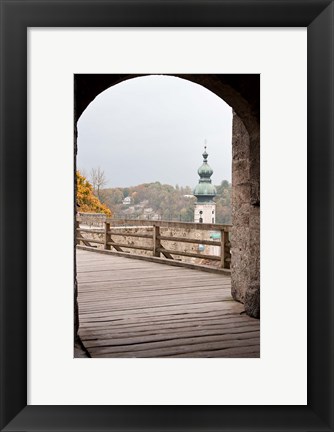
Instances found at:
x=135 y=308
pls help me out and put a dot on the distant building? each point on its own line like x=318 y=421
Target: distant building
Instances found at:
x=127 y=200
x=205 y=208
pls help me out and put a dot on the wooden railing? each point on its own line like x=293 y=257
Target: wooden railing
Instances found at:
x=112 y=228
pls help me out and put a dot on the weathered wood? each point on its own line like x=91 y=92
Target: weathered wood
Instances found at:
x=158 y=249
x=145 y=278
x=127 y=234
x=134 y=323
x=156 y=306
x=171 y=340
x=165 y=253
x=174 y=263
x=247 y=351
x=156 y=241
x=102 y=290
x=77 y=227
x=167 y=224
x=186 y=240
x=190 y=254
x=131 y=308
x=222 y=325
x=225 y=250
x=166 y=333
x=227 y=253
x=114 y=244
x=170 y=348
x=107 y=238
x=123 y=313
x=118 y=246
x=177 y=319
x=222 y=248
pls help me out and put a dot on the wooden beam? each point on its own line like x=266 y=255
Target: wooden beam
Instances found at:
x=118 y=246
x=185 y=240
x=189 y=254
x=114 y=245
x=91 y=230
x=165 y=253
x=167 y=224
x=130 y=234
x=88 y=241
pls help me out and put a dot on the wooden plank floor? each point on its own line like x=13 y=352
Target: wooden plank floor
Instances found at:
x=132 y=308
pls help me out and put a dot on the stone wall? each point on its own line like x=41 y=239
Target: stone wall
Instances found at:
x=245 y=235
x=92 y=219
x=240 y=210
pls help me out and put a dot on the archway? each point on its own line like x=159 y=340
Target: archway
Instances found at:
x=242 y=93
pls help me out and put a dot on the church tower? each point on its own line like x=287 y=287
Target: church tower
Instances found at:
x=205 y=208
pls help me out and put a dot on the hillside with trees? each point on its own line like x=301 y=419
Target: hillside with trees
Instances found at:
x=158 y=201
x=223 y=203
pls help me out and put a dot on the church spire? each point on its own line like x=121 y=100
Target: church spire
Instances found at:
x=205 y=191
x=205 y=154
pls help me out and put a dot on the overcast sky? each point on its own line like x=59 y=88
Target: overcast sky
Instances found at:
x=153 y=128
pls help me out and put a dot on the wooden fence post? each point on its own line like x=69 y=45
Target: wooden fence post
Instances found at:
x=223 y=240
x=77 y=225
x=225 y=254
x=156 y=241
x=106 y=235
x=222 y=248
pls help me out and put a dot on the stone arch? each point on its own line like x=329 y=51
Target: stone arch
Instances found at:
x=242 y=93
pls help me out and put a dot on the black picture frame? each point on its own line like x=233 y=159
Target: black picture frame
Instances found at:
x=16 y=16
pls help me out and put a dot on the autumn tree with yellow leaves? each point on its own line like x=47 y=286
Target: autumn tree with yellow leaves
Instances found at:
x=87 y=202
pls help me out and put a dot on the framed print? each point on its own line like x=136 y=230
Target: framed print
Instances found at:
x=189 y=23
x=154 y=380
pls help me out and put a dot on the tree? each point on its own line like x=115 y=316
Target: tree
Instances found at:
x=98 y=180
x=223 y=203
x=87 y=202
x=112 y=196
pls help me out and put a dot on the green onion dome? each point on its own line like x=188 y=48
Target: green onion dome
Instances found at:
x=205 y=190
x=205 y=171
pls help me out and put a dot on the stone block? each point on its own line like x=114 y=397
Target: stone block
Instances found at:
x=240 y=139
x=240 y=214
x=241 y=194
x=252 y=300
